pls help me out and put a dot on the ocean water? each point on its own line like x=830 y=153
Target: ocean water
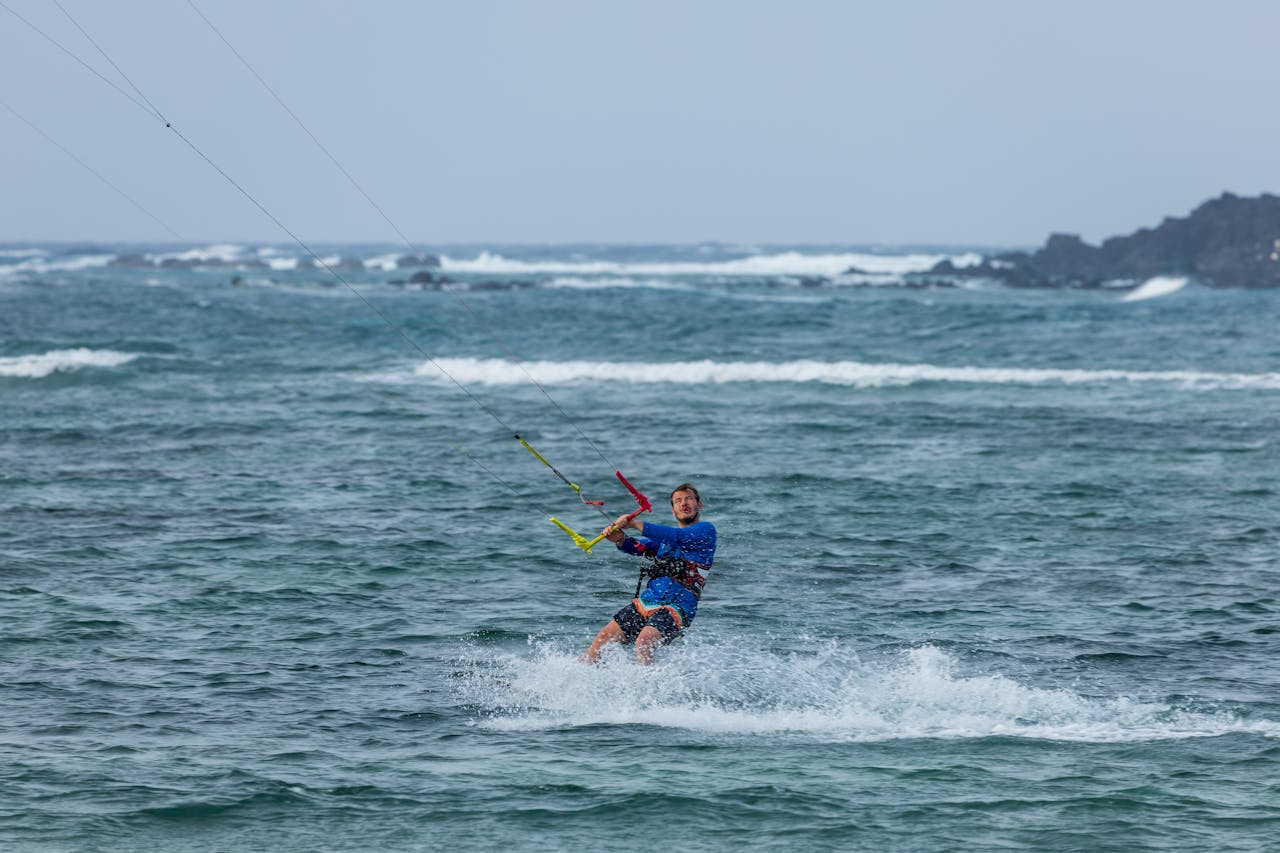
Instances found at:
x=997 y=569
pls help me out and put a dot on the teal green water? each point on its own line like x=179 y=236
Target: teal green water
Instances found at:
x=997 y=569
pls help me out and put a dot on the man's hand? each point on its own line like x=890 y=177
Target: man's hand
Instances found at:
x=614 y=531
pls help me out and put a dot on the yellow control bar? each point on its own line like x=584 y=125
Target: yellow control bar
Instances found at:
x=578 y=539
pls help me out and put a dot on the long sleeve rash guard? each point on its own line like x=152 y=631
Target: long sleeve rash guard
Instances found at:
x=680 y=554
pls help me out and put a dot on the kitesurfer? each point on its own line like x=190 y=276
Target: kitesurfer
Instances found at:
x=680 y=558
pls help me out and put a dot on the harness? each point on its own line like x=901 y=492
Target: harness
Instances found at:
x=687 y=573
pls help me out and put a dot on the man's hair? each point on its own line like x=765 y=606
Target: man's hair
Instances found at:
x=684 y=487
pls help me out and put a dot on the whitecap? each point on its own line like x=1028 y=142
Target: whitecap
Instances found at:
x=850 y=373
x=218 y=253
x=790 y=263
x=1155 y=287
x=38 y=366
x=385 y=263
x=39 y=264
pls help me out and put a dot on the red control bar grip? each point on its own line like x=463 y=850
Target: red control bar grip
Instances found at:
x=645 y=505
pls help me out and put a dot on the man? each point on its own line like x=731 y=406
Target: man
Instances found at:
x=681 y=558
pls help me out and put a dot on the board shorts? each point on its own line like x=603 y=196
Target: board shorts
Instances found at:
x=632 y=621
x=664 y=604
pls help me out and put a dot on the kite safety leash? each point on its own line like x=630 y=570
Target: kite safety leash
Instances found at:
x=587 y=544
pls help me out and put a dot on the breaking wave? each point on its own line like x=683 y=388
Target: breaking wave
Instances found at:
x=765 y=265
x=1155 y=287
x=851 y=373
x=39 y=366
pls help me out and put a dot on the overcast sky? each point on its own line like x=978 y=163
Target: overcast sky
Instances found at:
x=811 y=121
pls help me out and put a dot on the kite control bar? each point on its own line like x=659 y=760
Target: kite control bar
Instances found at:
x=645 y=506
x=587 y=544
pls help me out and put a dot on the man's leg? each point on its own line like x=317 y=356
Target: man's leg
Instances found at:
x=610 y=633
x=650 y=638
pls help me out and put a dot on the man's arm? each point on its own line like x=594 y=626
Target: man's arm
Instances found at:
x=696 y=542
x=634 y=548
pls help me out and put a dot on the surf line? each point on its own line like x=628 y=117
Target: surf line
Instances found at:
x=147 y=106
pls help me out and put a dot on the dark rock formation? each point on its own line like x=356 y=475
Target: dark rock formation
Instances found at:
x=427 y=280
x=137 y=261
x=130 y=260
x=348 y=264
x=410 y=261
x=212 y=263
x=1228 y=241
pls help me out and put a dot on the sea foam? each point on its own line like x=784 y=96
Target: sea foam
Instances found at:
x=1155 y=287
x=851 y=373
x=764 y=265
x=829 y=694
x=38 y=366
x=41 y=264
x=226 y=253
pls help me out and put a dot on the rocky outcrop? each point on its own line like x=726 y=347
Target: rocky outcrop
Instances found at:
x=411 y=261
x=1228 y=241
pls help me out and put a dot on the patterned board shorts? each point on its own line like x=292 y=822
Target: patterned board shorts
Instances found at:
x=636 y=616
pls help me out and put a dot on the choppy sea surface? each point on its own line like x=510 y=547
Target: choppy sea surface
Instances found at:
x=998 y=569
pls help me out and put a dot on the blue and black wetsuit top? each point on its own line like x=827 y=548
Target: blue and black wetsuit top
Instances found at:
x=682 y=558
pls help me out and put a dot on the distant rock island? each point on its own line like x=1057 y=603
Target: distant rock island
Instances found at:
x=1228 y=241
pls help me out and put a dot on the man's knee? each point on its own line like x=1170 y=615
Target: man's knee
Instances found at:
x=610 y=633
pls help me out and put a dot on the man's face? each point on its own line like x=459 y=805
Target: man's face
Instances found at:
x=685 y=506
